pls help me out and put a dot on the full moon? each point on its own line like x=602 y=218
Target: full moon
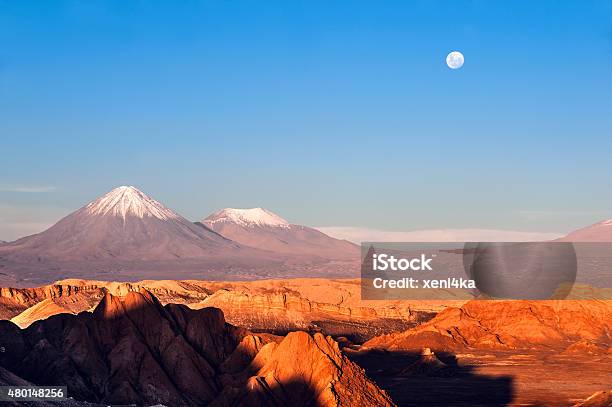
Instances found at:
x=454 y=60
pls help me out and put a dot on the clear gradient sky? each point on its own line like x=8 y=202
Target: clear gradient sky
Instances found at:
x=330 y=113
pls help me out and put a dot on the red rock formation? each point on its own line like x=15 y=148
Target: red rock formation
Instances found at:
x=272 y=305
x=304 y=370
x=133 y=350
x=81 y=295
x=507 y=325
x=74 y=298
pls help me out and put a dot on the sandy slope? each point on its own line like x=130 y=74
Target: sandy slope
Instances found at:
x=41 y=310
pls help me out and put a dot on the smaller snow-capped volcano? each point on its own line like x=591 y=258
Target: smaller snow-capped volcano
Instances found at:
x=259 y=228
x=247 y=217
x=127 y=200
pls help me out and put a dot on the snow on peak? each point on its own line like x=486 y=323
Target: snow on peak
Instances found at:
x=129 y=201
x=247 y=217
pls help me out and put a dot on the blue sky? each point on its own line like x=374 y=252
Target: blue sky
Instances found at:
x=335 y=113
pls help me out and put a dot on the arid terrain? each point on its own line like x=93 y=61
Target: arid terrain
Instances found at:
x=276 y=306
x=306 y=203
x=301 y=342
x=185 y=335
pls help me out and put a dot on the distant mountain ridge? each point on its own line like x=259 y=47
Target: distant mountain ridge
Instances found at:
x=597 y=232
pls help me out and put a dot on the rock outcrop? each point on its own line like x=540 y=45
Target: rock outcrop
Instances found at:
x=587 y=347
x=303 y=370
x=134 y=350
x=428 y=364
x=599 y=399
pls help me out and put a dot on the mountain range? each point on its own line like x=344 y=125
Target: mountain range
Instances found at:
x=126 y=234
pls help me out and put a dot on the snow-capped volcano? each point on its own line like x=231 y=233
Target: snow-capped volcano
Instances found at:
x=123 y=224
x=262 y=229
x=247 y=217
x=598 y=232
x=128 y=201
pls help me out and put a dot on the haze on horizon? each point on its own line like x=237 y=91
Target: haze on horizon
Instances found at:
x=332 y=115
